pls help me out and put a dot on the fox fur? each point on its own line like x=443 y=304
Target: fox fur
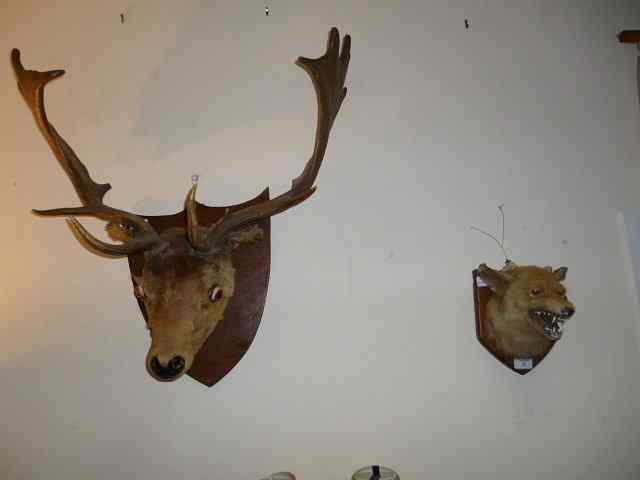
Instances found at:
x=527 y=310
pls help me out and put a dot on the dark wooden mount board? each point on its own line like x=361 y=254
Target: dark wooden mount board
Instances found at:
x=481 y=296
x=233 y=336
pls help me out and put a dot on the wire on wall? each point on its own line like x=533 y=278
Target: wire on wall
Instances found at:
x=494 y=238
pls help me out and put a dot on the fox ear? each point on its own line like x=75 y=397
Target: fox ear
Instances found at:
x=496 y=280
x=560 y=274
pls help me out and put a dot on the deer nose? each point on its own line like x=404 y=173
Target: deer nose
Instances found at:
x=173 y=368
x=567 y=312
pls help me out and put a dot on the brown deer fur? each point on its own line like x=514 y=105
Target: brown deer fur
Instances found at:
x=176 y=289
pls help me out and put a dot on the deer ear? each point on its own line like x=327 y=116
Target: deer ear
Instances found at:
x=119 y=232
x=560 y=274
x=496 y=280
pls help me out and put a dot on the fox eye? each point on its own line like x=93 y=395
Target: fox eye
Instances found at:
x=536 y=291
x=215 y=293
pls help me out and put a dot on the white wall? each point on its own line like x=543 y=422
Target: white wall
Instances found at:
x=367 y=350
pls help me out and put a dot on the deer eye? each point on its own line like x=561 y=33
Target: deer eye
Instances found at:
x=536 y=291
x=215 y=293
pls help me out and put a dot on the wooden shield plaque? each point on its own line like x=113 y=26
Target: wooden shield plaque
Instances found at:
x=232 y=337
x=523 y=363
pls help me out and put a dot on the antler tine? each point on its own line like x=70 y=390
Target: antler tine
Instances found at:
x=195 y=232
x=31 y=84
x=136 y=244
x=328 y=74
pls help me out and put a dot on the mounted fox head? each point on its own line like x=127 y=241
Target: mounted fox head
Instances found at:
x=188 y=276
x=528 y=309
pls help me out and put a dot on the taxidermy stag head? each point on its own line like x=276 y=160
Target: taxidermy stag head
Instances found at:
x=527 y=311
x=188 y=277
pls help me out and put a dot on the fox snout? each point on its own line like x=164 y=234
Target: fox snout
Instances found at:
x=567 y=312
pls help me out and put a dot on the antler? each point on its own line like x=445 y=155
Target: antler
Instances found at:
x=328 y=75
x=141 y=235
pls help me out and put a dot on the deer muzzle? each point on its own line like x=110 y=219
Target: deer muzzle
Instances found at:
x=168 y=365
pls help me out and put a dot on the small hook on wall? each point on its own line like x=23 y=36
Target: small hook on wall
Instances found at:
x=122 y=18
x=267 y=10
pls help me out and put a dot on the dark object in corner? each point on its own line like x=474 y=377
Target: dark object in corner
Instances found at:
x=629 y=36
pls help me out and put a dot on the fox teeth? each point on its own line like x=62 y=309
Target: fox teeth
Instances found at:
x=553 y=323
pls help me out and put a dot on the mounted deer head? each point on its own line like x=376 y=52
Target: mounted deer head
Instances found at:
x=188 y=277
